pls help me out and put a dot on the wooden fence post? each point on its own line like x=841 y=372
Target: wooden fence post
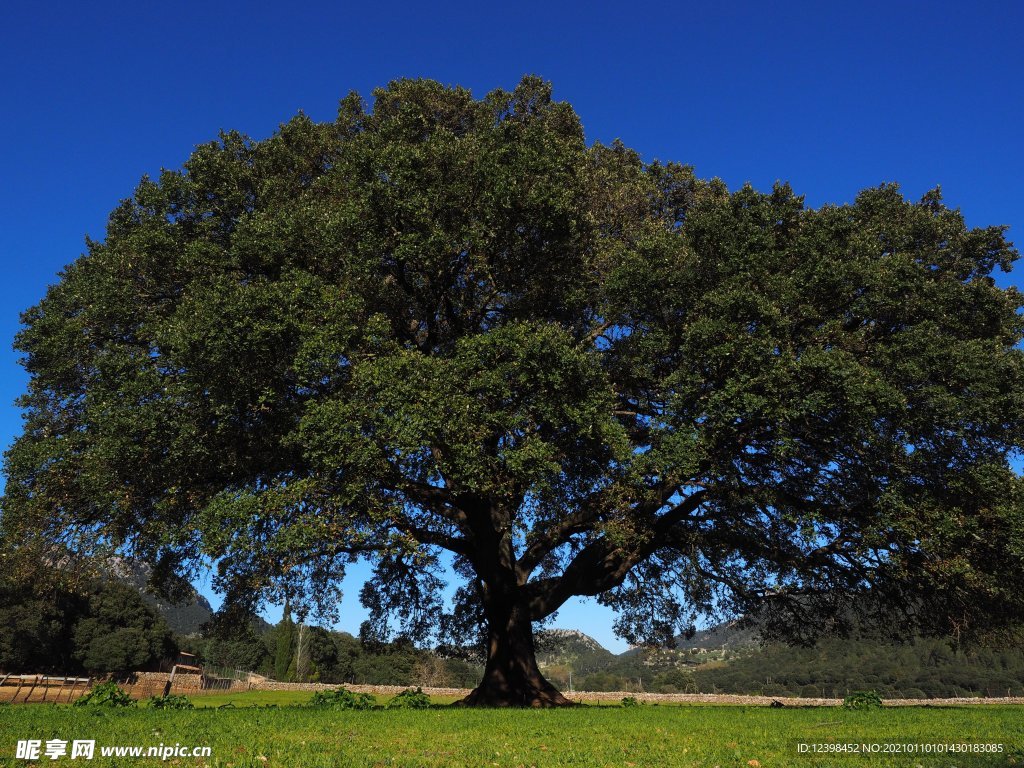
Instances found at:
x=35 y=682
x=74 y=684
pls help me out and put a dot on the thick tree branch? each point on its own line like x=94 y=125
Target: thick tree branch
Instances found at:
x=424 y=535
x=603 y=564
x=440 y=501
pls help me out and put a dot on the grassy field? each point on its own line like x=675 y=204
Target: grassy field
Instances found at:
x=272 y=731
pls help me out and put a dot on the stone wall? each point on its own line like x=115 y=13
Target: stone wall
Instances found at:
x=142 y=685
x=379 y=690
x=594 y=697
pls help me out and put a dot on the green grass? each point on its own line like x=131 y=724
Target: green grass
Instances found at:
x=252 y=699
x=635 y=737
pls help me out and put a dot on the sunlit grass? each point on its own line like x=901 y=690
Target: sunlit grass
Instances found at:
x=261 y=736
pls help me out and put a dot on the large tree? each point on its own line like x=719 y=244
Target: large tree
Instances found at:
x=450 y=325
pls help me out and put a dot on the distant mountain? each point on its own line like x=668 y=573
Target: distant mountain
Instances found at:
x=565 y=646
x=570 y=646
x=729 y=634
x=185 y=617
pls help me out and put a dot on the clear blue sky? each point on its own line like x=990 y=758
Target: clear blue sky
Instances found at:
x=832 y=97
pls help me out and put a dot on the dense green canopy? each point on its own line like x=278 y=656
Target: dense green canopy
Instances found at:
x=450 y=324
x=103 y=627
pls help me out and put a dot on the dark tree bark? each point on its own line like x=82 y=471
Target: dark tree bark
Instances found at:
x=511 y=676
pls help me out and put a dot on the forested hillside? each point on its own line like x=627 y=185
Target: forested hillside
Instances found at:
x=917 y=669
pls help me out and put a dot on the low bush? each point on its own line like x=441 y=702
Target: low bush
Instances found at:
x=108 y=694
x=342 y=698
x=410 y=699
x=863 y=700
x=630 y=701
x=170 y=701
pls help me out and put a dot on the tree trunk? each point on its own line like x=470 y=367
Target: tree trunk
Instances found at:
x=511 y=677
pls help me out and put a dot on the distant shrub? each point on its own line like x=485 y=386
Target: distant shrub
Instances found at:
x=410 y=699
x=675 y=681
x=914 y=693
x=342 y=698
x=170 y=701
x=630 y=701
x=601 y=681
x=108 y=694
x=863 y=700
